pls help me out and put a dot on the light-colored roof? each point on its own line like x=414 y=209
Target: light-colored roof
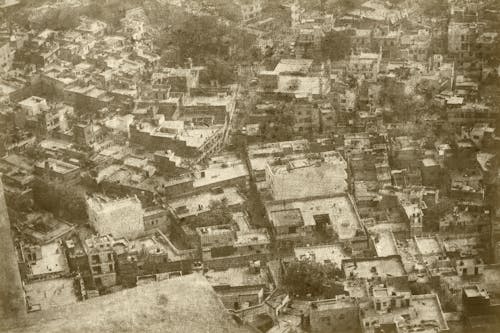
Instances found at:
x=340 y=211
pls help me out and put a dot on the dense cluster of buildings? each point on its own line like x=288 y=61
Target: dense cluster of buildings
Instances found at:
x=372 y=176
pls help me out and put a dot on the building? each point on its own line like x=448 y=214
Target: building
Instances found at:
x=57 y=170
x=295 y=78
x=307 y=177
x=240 y=10
x=421 y=312
x=44 y=262
x=189 y=141
x=101 y=259
x=117 y=217
x=383 y=268
x=223 y=247
x=295 y=221
x=365 y=64
x=334 y=315
x=150 y=257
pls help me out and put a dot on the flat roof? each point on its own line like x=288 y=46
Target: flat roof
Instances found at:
x=368 y=268
x=219 y=172
x=293 y=65
x=385 y=243
x=53 y=260
x=301 y=181
x=58 y=166
x=182 y=304
x=200 y=202
x=236 y=277
x=339 y=209
x=428 y=246
x=322 y=254
x=52 y=293
x=330 y=304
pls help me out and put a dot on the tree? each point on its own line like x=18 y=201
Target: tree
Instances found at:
x=427 y=88
x=279 y=127
x=60 y=200
x=64 y=18
x=336 y=45
x=218 y=70
x=305 y=277
x=218 y=214
x=435 y=213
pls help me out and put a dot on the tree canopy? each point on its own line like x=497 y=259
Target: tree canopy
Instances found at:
x=210 y=43
x=219 y=214
x=305 y=277
x=60 y=200
x=336 y=45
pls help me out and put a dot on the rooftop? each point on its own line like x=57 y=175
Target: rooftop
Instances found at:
x=293 y=66
x=340 y=210
x=385 y=244
x=57 y=166
x=368 y=268
x=330 y=304
x=200 y=202
x=236 y=277
x=51 y=293
x=303 y=178
x=221 y=171
x=53 y=260
x=322 y=254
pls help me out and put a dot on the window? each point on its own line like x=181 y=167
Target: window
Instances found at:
x=342 y=316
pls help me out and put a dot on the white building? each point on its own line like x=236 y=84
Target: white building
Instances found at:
x=118 y=217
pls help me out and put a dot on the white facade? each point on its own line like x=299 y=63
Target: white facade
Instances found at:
x=120 y=218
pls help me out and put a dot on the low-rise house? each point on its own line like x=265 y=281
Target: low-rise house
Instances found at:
x=57 y=170
x=295 y=221
x=307 y=177
x=44 y=261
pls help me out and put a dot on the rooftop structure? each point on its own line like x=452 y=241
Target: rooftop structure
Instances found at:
x=303 y=178
x=236 y=277
x=336 y=213
x=369 y=268
x=45 y=261
x=200 y=203
x=322 y=254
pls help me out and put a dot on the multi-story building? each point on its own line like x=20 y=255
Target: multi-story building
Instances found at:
x=295 y=221
x=101 y=259
x=57 y=170
x=365 y=64
x=340 y=314
x=116 y=217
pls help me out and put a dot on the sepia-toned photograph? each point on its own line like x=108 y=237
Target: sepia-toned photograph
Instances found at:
x=250 y=166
